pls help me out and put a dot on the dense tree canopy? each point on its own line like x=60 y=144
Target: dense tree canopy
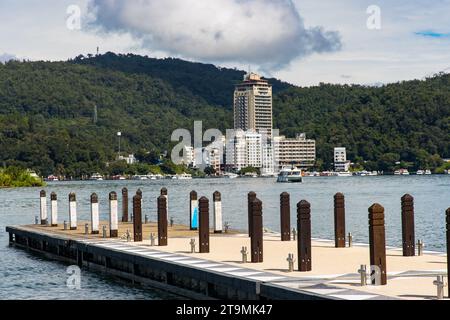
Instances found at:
x=62 y=117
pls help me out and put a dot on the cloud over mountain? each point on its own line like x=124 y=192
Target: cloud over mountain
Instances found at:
x=5 y=57
x=269 y=33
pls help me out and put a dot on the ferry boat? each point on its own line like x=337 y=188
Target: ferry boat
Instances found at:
x=97 y=177
x=291 y=174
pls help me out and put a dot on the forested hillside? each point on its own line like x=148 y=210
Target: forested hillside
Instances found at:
x=407 y=122
x=48 y=123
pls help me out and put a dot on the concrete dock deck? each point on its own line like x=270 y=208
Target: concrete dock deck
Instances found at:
x=334 y=270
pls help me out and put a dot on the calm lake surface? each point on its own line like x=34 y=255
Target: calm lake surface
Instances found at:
x=23 y=276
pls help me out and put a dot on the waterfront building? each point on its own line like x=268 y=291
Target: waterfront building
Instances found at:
x=340 y=160
x=249 y=149
x=298 y=151
x=188 y=156
x=253 y=104
x=130 y=159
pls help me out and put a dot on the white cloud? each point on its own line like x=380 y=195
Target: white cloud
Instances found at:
x=5 y=57
x=267 y=33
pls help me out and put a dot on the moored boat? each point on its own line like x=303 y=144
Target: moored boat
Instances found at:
x=290 y=174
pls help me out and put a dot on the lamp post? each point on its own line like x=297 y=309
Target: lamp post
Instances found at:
x=119 y=134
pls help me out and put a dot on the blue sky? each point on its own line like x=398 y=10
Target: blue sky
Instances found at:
x=301 y=41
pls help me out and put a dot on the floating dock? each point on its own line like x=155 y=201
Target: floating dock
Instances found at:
x=221 y=273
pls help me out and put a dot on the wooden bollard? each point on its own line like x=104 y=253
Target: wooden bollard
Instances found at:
x=193 y=211
x=447 y=220
x=339 y=220
x=44 y=215
x=95 y=213
x=73 y=211
x=408 y=234
x=377 y=240
x=285 y=217
x=165 y=194
x=125 y=205
x=162 y=221
x=256 y=239
x=137 y=218
x=217 y=199
x=250 y=197
x=54 y=209
x=304 y=236
x=203 y=228
x=113 y=215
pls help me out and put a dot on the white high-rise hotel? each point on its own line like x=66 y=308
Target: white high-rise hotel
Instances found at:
x=253 y=105
x=254 y=143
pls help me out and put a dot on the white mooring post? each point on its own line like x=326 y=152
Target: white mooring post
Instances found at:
x=44 y=217
x=193 y=211
x=217 y=197
x=73 y=211
x=113 y=215
x=95 y=220
x=54 y=207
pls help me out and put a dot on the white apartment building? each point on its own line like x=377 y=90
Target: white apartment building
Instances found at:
x=340 y=160
x=188 y=156
x=253 y=104
x=249 y=149
x=298 y=151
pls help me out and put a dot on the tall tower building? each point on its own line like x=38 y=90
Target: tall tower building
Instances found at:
x=253 y=105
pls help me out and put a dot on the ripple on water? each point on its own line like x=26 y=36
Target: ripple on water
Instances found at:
x=27 y=277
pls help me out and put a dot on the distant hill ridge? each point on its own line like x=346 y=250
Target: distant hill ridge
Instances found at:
x=47 y=113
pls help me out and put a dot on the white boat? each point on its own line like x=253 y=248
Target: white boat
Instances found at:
x=97 y=177
x=420 y=172
x=427 y=172
x=230 y=175
x=344 y=174
x=290 y=174
x=402 y=172
x=184 y=176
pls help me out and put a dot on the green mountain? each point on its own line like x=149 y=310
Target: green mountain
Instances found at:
x=213 y=84
x=406 y=122
x=48 y=122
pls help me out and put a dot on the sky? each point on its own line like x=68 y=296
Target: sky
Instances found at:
x=304 y=42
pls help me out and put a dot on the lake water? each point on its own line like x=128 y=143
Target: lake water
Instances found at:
x=24 y=276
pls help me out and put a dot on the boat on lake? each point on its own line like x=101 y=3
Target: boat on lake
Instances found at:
x=290 y=174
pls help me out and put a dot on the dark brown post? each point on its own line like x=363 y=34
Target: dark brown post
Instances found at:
x=165 y=194
x=377 y=239
x=447 y=214
x=256 y=239
x=193 y=211
x=203 y=230
x=285 y=216
x=137 y=218
x=304 y=236
x=250 y=197
x=339 y=220
x=408 y=234
x=162 y=221
x=124 y=205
